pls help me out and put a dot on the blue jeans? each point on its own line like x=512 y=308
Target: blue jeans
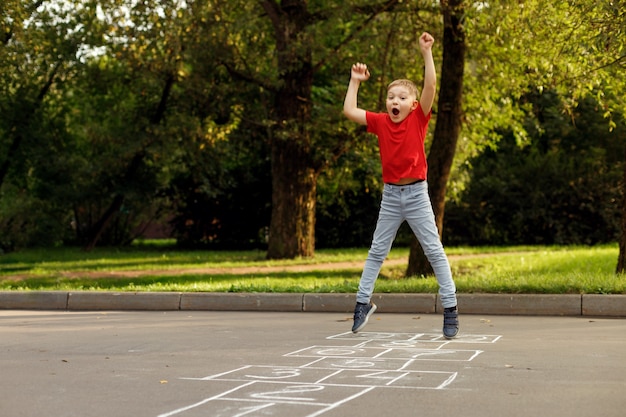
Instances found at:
x=410 y=203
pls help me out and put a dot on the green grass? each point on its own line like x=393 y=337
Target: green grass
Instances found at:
x=548 y=270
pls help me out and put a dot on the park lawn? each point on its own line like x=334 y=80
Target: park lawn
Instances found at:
x=157 y=267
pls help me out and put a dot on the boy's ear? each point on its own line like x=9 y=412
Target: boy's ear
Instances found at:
x=414 y=106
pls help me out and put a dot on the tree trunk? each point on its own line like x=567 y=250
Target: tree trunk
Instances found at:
x=294 y=178
x=100 y=226
x=448 y=125
x=294 y=186
x=294 y=172
x=621 y=260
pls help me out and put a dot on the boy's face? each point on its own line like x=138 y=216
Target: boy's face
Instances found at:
x=400 y=103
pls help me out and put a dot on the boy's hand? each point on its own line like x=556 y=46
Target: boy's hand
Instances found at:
x=360 y=72
x=426 y=42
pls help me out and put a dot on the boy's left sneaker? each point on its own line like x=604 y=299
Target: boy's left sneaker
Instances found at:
x=450 y=322
x=362 y=313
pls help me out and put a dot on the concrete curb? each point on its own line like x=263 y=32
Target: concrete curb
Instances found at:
x=492 y=304
x=241 y=301
x=523 y=304
x=80 y=301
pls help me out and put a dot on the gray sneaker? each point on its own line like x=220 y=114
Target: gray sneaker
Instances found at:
x=450 y=322
x=362 y=313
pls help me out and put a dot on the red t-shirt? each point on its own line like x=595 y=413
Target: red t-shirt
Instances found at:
x=401 y=144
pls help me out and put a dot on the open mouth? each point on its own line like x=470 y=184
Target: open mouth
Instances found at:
x=395 y=112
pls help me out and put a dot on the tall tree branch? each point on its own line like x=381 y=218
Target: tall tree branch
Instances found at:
x=8 y=35
x=17 y=131
x=373 y=13
x=131 y=170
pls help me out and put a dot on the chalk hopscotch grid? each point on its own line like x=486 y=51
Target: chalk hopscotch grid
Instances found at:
x=415 y=338
x=407 y=353
x=336 y=375
x=309 y=374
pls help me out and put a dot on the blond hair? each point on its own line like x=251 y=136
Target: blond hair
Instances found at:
x=408 y=84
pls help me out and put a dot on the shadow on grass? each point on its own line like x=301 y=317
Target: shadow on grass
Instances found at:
x=291 y=282
x=64 y=259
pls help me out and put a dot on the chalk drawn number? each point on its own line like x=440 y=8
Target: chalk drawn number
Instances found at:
x=278 y=374
x=289 y=393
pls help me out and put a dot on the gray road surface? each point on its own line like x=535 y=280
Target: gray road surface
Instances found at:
x=261 y=364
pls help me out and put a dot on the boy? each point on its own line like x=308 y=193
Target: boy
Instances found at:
x=401 y=132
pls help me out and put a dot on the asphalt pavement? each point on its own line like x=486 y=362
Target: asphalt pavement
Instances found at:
x=304 y=364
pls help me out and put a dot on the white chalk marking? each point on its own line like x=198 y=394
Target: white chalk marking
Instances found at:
x=387 y=357
x=338 y=403
x=189 y=407
x=448 y=381
x=284 y=394
x=279 y=373
x=248 y=410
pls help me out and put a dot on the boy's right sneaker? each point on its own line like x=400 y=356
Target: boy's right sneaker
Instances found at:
x=450 y=322
x=362 y=313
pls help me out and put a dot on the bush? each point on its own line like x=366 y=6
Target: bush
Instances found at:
x=30 y=222
x=562 y=188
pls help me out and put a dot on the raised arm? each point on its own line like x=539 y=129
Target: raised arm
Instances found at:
x=351 y=109
x=430 y=77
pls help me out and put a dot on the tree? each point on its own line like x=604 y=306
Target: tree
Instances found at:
x=153 y=110
x=448 y=125
x=583 y=56
x=113 y=113
x=39 y=53
x=562 y=187
x=140 y=80
x=28 y=77
x=295 y=160
x=621 y=260
x=294 y=175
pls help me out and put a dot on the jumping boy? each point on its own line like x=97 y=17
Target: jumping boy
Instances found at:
x=401 y=132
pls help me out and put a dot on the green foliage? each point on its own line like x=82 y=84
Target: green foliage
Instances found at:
x=169 y=106
x=348 y=201
x=39 y=49
x=564 y=187
x=574 y=49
